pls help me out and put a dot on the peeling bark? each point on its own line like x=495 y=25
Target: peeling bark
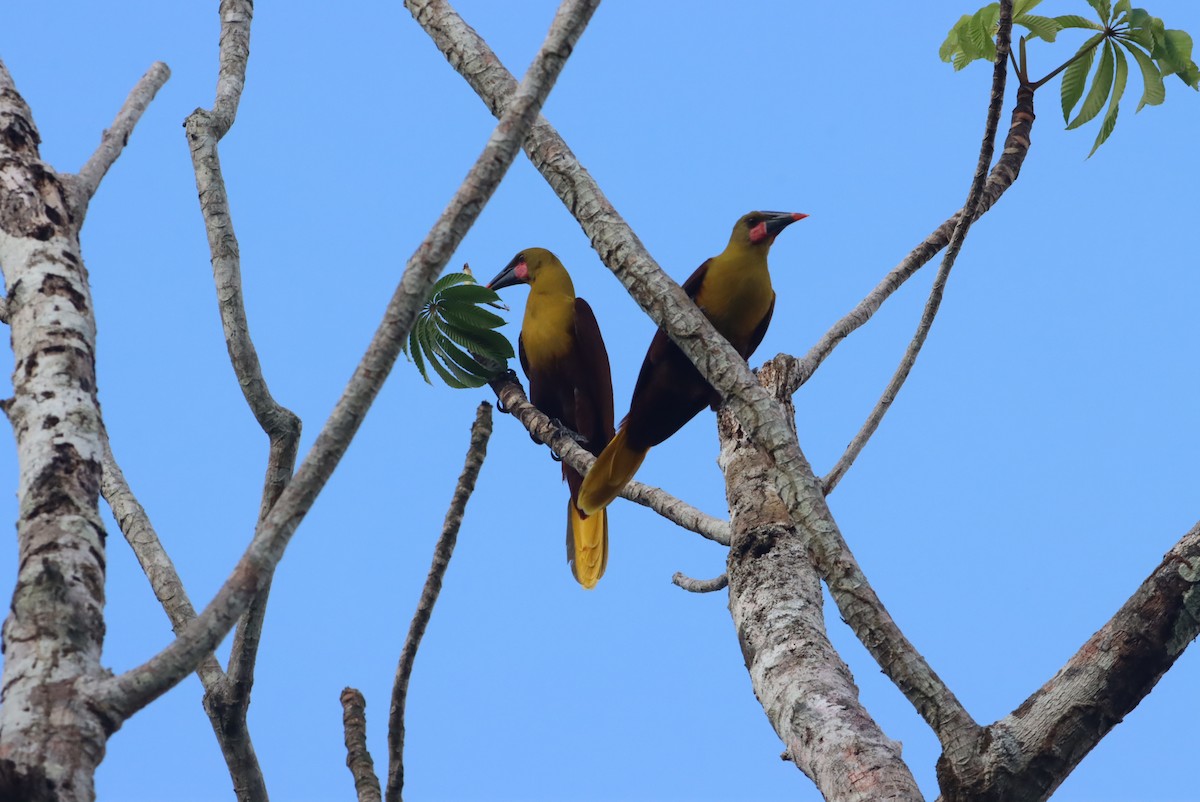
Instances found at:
x=775 y=599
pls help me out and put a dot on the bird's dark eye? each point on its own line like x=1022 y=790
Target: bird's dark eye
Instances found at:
x=753 y=220
x=520 y=257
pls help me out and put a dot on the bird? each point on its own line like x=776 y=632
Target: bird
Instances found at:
x=563 y=355
x=734 y=292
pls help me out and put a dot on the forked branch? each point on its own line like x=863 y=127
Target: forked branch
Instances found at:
x=965 y=218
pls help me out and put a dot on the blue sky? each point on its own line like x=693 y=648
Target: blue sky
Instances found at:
x=1033 y=471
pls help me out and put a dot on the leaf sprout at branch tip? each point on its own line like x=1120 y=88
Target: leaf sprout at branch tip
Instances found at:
x=1158 y=51
x=454 y=334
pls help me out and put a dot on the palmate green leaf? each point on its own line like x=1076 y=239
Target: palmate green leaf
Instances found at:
x=1076 y=21
x=1121 y=10
x=449 y=280
x=1118 y=89
x=428 y=342
x=952 y=45
x=1144 y=29
x=469 y=294
x=480 y=341
x=413 y=350
x=454 y=337
x=1153 y=92
x=468 y=369
x=1101 y=85
x=981 y=31
x=1103 y=8
x=1075 y=76
x=1174 y=56
x=446 y=355
x=1041 y=27
x=469 y=315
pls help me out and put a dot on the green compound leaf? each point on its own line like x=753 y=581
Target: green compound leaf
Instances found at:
x=480 y=341
x=470 y=294
x=469 y=315
x=1046 y=28
x=429 y=343
x=1118 y=89
x=1102 y=8
x=1075 y=76
x=1076 y=21
x=453 y=334
x=1153 y=92
x=1101 y=86
x=412 y=350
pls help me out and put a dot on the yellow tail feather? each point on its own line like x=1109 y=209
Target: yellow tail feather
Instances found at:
x=615 y=466
x=587 y=545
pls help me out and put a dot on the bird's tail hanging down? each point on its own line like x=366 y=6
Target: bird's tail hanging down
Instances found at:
x=613 y=469
x=587 y=544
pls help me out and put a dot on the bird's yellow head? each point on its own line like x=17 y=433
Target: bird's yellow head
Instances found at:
x=527 y=267
x=757 y=230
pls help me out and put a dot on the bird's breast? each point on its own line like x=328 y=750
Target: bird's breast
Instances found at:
x=548 y=331
x=736 y=301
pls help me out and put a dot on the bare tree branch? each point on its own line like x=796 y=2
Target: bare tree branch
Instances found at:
x=759 y=413
x=114 y=139
x=776 y=603
x=1008 y=167
x=135 y=524
x=700 y=585
x=966 y=217
x=513 y=400
x=358 y=759
x=236 y=16
x=204 y=130
x=1027 y=754
x=481 y=430
x=226 y=702
x=127 y=693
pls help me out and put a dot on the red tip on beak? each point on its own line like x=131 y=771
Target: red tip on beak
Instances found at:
x=798 y=216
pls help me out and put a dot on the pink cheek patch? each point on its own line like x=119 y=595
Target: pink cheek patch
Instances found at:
x=759 y=232
x=522 y=271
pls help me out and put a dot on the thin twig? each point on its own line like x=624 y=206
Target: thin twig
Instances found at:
x=1003 y=175
x=124 y=694
x=139 y=532
x=227 y=702
x=513 y=400
x=684 y=581
x=481 y=430
x=358 y=759
x=113 y=141
x=969 y=210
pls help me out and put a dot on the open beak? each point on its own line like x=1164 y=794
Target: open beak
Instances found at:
x=508 y=276
x=778 y=221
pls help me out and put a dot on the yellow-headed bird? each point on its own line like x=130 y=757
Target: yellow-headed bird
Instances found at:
x=733 y=290
x=564 y=357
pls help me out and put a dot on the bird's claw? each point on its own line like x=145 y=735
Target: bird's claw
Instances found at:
x=562 y=430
